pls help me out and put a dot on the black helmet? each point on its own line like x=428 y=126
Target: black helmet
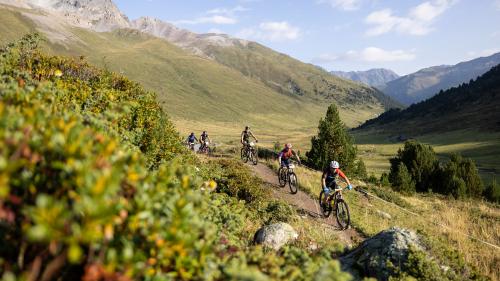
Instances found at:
x=247 y=127
x=204 y=132
x=192 y=133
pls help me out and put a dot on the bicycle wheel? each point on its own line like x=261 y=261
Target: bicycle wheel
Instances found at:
x=342 y=213
x=293 y=183
x=326 y=208
x=246 y=157
x=255 y=158
x=282 y=176
x=242 y=153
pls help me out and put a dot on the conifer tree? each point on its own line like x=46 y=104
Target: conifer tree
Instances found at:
x=332 y=143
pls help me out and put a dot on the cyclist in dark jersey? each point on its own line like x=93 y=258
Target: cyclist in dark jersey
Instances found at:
x=191 y=139
x=204 y=138
x=329 y=178
x=245 y=136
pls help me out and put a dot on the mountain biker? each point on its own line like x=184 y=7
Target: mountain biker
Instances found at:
x=245 y=137
x=286 y=154
x=191 y=139
x=204 y=138
x=329 y=178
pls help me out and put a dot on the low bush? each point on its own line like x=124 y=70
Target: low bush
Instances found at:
x=492 y=192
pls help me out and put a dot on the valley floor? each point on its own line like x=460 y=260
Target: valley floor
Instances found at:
x=484 y=148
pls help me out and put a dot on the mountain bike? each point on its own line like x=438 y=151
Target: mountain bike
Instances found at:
x=190 y=145
x=335 y=202
x=286 y=174
x=249 y=153
x=205 y=148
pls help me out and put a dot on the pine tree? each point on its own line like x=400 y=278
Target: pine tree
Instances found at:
x=402 y=180
x=332 y=143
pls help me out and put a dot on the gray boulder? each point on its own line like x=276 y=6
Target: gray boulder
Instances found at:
x=276 y=235
x=372 y=256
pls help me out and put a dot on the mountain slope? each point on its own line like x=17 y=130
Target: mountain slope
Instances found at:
x=278 y=71
x=199 y=91
x=470 y=106
x=373 y=77
x=427 y=82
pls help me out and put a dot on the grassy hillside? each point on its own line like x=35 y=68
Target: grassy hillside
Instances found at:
x=294 y=78
x=197 y=91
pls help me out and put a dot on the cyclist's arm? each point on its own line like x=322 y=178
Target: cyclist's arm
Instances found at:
x=342 y=175
x=241 y=137
x=279 y=157
x=323 y=179
x=296 y=156
x=251 y=134
x=209 y=139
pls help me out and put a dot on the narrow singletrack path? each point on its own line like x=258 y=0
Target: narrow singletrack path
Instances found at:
x=304 y=203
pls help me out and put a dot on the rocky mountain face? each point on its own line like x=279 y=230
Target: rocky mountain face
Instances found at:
x=99 y=15
x=427 y=82
x=196 y=43
x=373 y=77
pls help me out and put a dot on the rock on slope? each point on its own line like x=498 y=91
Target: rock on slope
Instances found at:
x=373 y=77
x=372 y=255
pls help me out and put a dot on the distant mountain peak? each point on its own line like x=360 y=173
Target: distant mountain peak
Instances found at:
x=371 y=77
x=194 y=42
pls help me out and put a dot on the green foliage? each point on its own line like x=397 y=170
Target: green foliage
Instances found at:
x=416 y=168
x=492 y=192
x=459 y=178
x=95 y=185
x=384 y=180
x=360 y=170
x=402 y=180
x=239 y=182
x=333 y=142
x=421 y=267
x=277 y=211
x=420 y=161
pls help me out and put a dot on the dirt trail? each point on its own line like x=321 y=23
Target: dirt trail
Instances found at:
x=304 y=203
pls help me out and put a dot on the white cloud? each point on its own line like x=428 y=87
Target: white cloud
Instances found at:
x=215 y=19
x=216 y=16
x=227 y=11
x=368 y=55
x=346 y=5
x=271 y=31
x=496 y=3
x=418 y=21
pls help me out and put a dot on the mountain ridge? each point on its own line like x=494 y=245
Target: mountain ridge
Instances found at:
x=427 y=82
x=372 y=77
x=472 y=105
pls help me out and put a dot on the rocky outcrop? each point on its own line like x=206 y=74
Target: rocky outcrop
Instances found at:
x=99 y=15
x=276 y=235
x=372 y=256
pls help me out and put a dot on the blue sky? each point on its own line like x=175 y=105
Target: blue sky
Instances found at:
x=404 y=35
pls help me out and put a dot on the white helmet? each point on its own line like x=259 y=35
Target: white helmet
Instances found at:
x=334 y=165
